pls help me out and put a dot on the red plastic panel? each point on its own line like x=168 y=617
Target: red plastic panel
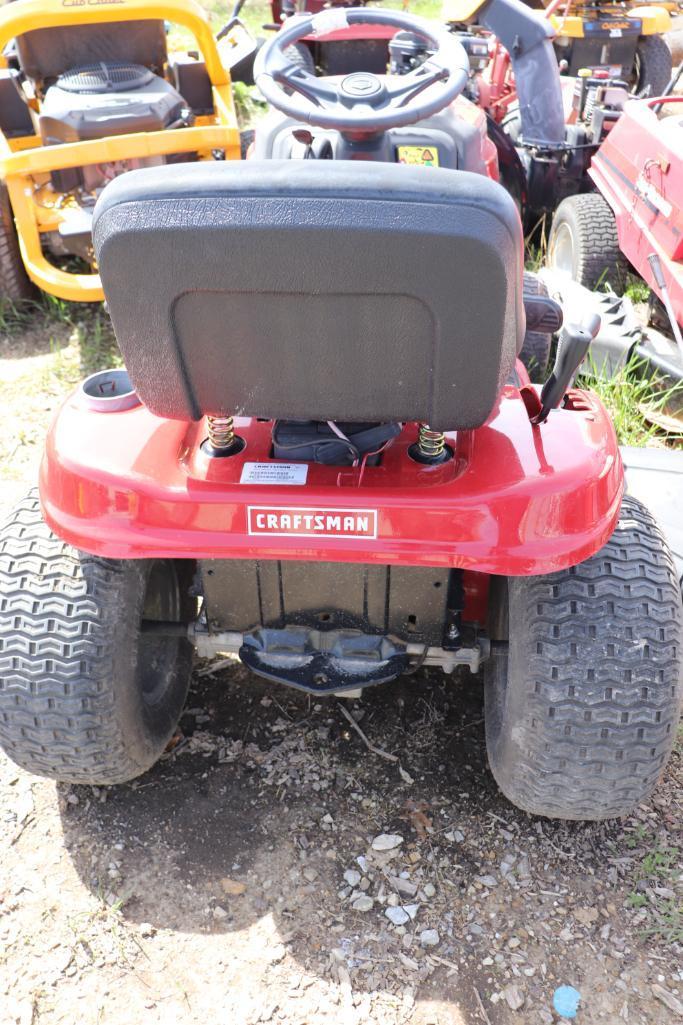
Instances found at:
x=515 y=499
x=639 y=171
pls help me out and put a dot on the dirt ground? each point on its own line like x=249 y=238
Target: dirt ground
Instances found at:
x=226 y=886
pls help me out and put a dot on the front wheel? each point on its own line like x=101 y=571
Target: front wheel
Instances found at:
x=583 y=700
x=584 y=243
x=85 y=695
x=15 y=284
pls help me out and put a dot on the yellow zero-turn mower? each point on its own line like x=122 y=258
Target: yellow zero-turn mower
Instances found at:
x=622 y=40
x=88 y=91
x=625 y=38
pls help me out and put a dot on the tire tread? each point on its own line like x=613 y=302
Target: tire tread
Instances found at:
x=59 y=611
x=594 y=716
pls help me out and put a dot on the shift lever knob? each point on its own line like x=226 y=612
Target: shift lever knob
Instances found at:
x=572 y=347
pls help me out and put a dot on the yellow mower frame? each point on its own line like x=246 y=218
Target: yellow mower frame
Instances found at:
x=655 y=20
x=25 y=163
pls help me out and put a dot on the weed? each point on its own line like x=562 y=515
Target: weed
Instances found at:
x=627 y=394
x=660 y=862
x=636 y=900
x=636 y=289
x=636 y=836
x=653 y=882
x=249 y=105
x=669 y=921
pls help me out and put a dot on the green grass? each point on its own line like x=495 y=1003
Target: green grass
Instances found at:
x=257 y=14
x=626 y=394
x=636 y=289
x=655 y=887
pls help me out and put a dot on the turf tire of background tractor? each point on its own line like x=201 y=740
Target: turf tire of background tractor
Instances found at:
x=653 y=67
x=85 y=697
x=15 y=284
x=535 y=353
x=583 y=242
x=300 y=56
x=582 y=705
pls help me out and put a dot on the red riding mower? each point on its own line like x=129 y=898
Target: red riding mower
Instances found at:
x=336 y=48
x=632 y=221
x=325 y=458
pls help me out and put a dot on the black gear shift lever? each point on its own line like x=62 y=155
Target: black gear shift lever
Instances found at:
x=572 y=347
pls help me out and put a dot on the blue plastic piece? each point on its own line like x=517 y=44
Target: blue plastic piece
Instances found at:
x=566 y=1001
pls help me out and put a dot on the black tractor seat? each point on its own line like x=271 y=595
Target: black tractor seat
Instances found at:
x=304 y=290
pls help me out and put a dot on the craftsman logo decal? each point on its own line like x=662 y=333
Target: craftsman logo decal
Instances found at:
x=306 y=522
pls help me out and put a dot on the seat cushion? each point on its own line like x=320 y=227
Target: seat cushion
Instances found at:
x=313 y=289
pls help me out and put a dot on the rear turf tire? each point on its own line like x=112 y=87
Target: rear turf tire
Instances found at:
x=582 y=708
x=583 y=243
x=84 y=696
x=535 y=354
x=653 y=66
x=15 y=284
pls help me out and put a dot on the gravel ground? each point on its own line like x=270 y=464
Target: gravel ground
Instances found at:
x=272 y=869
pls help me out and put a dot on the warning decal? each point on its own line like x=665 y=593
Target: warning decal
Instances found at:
x=427 y=156
x=309 y=522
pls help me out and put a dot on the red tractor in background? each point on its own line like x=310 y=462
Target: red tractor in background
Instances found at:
x=632 y=220
x=337 y=49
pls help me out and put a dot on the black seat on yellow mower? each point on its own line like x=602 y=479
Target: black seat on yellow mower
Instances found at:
x=306 y=290
x=46 y=53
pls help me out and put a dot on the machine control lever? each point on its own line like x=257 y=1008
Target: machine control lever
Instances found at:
x=572 y=348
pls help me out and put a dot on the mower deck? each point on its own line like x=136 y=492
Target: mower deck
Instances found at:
x=637 y=170
x=514 y=499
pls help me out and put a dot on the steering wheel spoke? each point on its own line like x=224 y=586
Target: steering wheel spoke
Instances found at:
x=316 y=90
x=414 y=83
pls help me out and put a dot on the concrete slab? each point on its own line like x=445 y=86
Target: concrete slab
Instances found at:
x=655 y=476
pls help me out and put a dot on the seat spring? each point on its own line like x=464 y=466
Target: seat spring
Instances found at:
x=221 y=431
x=431 y=444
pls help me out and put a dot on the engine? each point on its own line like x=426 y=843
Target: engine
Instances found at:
x=108 y=99
x=91 y=102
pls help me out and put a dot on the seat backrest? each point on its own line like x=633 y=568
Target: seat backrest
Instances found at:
x=320 y=290
x=46 y=53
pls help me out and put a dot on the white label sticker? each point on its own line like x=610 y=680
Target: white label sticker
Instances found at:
x=274 y=473
x=331 y=20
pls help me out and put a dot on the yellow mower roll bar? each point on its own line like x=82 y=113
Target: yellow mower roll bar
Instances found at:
x=23 y=158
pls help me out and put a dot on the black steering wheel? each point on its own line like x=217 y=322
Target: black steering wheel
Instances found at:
x=361 y=102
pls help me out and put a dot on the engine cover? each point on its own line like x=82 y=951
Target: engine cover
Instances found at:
x=107 y=99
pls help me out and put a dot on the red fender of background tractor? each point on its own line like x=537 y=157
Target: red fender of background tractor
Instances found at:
x=352 y=32
x=639 y=171
x=334 y=35
x=515 y=499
